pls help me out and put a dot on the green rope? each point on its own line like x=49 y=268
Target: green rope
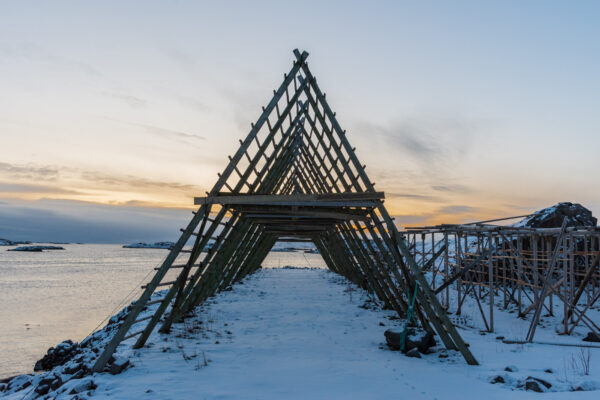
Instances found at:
x=409 y=316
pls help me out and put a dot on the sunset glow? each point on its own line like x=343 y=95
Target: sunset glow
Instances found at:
x=451 y=132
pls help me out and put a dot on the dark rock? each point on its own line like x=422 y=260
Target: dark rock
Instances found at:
x=85 y=384
x=46 y=380
x=443 y=355
x=38 y=366
x=71 y=369
x=56 y=383
x=18 y=383
x=497 y=379
x=552 y=217
x=511 y=368
x=157 y=245
x=120 y=317
x=118 y=366
x=79 y=374
x=7 y=380
x=409 y=345
x=381 y=324
x=414 y=353
x=426 y=343
x=499 y=337
x=592 y=337
x=394 y=340
x=548 y=385
x=63 y=352
x=533 y=385
x=548 y=371
x=36 y=248
x=42 y=389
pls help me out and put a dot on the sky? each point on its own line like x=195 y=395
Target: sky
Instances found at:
x=114 y=114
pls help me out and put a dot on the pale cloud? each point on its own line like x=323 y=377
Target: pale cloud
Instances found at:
x=130 y=100
x=457 y=209
x=20 y=181
x=427 y=140
x=452 y=188
x=76 y=221
x=414 y=196
x=119 y=181
x=34 y=53
x=29 y=171
x=185 y=137
x=42 y=189
x=407 y=220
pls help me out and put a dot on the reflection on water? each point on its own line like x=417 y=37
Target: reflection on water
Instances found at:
x=51 y=296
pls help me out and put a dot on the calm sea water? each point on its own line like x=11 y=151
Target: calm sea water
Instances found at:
x=51 y=296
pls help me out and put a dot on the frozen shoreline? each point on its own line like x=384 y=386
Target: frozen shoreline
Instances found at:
x=302 y=333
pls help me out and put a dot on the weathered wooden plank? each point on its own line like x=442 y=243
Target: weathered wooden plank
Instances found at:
x=340 y=198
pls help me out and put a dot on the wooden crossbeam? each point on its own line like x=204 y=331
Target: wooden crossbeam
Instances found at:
x=294 y=222
x=350 y=199
x=299 y=228
x=304 y=234
x=309 y=215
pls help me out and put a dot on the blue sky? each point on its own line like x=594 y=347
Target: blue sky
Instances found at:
x=461 y=110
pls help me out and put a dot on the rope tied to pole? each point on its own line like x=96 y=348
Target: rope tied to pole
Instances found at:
x=409 y=316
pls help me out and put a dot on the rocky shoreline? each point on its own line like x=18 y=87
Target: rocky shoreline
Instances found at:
x=65 y=371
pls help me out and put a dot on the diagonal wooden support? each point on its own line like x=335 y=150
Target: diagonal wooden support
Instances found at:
x=286 y=182
x=547 y=283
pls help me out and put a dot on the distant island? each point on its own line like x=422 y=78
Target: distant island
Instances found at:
x=294 y=250
x=157 y=245
x=6 y=242
x=36 y=248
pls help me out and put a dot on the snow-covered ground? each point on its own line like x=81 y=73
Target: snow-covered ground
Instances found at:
x=310 y=334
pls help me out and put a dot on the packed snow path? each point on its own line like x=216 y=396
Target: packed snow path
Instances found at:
x=302 y=334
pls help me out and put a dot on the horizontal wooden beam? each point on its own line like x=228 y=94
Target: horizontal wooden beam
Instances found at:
x=294 y=240
x=349 y=199
x=296 y=228
x=314 y=203
x=333 y=212
x=285 y=217
x=303 y=234
x=292 y=222
x=305 y=214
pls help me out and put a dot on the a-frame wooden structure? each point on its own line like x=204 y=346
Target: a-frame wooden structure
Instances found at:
x=294 y=176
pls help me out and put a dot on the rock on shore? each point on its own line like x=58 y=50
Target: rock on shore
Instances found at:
x=552 y=217
x=156 y=245
x=36 y=248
